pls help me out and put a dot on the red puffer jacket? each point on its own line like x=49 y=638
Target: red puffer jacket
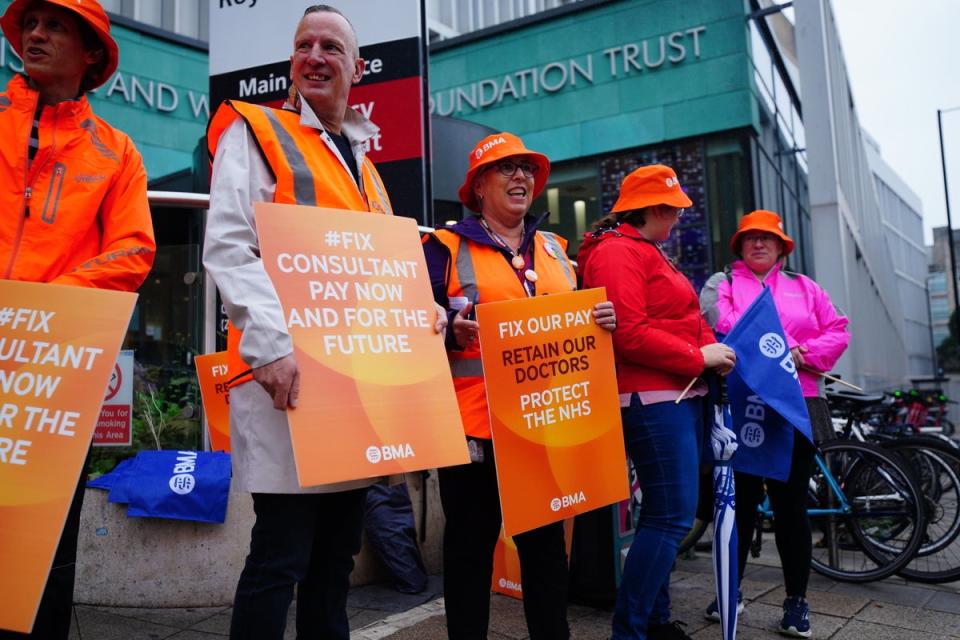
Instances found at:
x=659 y=326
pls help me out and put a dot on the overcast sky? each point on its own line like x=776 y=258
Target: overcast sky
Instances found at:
x=903 y=58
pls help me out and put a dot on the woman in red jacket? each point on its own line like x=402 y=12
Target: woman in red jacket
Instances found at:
x=660 y=344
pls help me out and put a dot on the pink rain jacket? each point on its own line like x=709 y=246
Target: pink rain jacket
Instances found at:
x=809 y=318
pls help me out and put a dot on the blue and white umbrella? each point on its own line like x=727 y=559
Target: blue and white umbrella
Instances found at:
x=724 y=444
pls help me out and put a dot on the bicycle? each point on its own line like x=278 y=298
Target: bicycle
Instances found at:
x=867 y=508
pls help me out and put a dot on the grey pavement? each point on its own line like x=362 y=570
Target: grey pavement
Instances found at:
x=892 y=608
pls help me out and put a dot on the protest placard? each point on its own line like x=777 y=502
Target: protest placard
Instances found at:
x=215 y=393
x=58 y=347
x=376 y=393
x=554 y=409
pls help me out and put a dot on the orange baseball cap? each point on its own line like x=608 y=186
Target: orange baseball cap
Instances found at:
x=89 y=11
x=496 y=147
x=761 y=220
x=649 y=186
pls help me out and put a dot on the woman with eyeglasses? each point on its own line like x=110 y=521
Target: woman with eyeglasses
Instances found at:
x=660 y=344
x=817 y=337
x=497 y=254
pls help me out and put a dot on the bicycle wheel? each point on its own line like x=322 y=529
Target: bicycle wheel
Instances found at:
x=867 y=515
x=937 y=467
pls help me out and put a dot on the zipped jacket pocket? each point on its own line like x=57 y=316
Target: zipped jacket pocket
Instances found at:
x=52 y=201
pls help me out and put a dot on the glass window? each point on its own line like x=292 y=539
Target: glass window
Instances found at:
x=572 y=197
x=937 y=283
x=728 y=193
x=761 y=58
x=188 y=18
x=113 y=6
x=149 y=12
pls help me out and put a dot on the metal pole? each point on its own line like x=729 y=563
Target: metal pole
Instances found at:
x=946 y=193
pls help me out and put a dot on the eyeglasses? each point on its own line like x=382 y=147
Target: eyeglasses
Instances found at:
x=766 y=238
x=508 y=167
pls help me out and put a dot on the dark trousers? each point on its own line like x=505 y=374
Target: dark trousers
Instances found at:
x=471 y=504
x=56 y=604
x=307 y=540
x=791 y=525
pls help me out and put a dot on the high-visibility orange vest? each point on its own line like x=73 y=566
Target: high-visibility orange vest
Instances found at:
x=480 y=272
x=308 y=173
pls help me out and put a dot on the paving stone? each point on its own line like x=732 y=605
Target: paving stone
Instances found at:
x=105 y=626
x=912 y=618
x=220 y=623
x=191 y=634
x=759 y=615
x=858 y=630
x=506 y=617
x=828 y=602
x=944 y=601
x=889 y=592
x=385 y=598
x=364 y=617
x=430 y=629
x=178 y=618
x=754 y=589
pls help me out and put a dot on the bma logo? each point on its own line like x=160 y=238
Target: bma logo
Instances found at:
x=567 y=501
x=182 y=481
x=389 y=452
x=751 y=435
x=772 y=345
x=489 y=145
x=509 y=584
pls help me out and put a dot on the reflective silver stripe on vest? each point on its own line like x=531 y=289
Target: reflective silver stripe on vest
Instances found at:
x=550 y=240
x=465 y=271
x=471 y=368
x=303 y=191
x=375 y=179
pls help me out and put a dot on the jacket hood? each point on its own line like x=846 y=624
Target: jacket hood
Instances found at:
x=594 y=238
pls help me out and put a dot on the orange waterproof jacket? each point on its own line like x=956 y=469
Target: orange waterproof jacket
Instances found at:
x=78 y=215
x=477 y=271
x=307 y=173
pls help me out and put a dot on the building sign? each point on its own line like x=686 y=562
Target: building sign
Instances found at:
x=256 y=68
x=115 y=425
x=612 y=63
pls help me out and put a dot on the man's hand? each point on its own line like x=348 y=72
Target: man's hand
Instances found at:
x=281 y=379
x=605 y=316
x=465 y=331
x=440 y=325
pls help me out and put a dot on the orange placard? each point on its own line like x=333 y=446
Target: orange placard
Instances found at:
x=58 y=346
x=376 y=393
x=212 y=375
x=554 y=409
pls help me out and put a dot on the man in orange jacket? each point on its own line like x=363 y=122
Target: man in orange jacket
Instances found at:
x=73 y=195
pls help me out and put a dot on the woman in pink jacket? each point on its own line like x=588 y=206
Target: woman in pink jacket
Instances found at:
x=817 y=337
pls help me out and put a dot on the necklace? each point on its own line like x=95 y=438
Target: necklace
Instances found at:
x=516 y=260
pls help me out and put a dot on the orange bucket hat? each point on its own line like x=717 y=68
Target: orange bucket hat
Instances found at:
x=89 y=11
x=761 y=220
x=649 y=186
x=492 y=149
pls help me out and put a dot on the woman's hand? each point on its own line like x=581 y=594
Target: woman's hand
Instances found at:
x=605 y=316
x=465 y=331
x=718 y=357
x=797 y=353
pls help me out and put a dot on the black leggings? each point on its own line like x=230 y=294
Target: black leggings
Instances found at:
x=790 y=522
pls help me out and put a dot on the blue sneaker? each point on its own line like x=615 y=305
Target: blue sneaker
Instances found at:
x=796 y=618
x=713 y=611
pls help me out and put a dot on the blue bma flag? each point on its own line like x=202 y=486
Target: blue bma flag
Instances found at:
x=766 y=401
